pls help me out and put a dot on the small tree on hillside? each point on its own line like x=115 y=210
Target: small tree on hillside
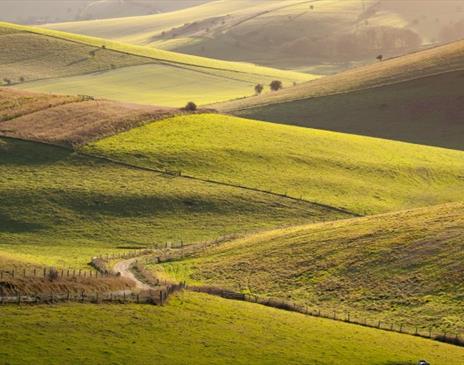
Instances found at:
x=7 y=81
x=276 y=85
x=191 y=106
x=22 y=79
x=259 y=88
x=379 y=57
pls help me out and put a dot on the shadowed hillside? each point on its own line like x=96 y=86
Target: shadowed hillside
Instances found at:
x=414 y=98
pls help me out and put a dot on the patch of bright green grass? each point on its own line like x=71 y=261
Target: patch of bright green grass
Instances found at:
x=61 y=209
x=159 y=84
x=403 y=267
x=359 y=174
x=199 y=329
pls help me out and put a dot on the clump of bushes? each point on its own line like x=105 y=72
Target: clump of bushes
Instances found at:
x=259 y=88
x=191 y=106
x=276 y=85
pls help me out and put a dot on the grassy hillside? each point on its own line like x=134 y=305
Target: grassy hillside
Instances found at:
x=438 y=60
x=61 y=209
x=424 y=111
x=45 y=60
x=403 y=267
x=318 y=36
x=359 y=174
x=216 y=330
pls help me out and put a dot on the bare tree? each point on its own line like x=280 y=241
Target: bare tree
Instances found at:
x=379 y=57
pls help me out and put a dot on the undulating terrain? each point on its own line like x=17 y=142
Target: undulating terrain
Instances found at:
x=49 y=61
x=140 y=151
x=317 y=36
x=402 y=267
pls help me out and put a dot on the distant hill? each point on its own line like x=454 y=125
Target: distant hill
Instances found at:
x=318 y=36
x=43 y=11
x=414 y=98
x=401 y=268
x=42 y=60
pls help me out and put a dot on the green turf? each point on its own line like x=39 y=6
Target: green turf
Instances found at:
x=399 y=268
x=360 y=174
x=198 y=329
x=159 y=84
x=61 y=209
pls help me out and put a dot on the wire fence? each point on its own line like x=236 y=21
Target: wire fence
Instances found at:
x=157 y=296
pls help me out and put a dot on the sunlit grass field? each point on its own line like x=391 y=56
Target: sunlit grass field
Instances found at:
x=58 y=208
x=399 y=268
x=362 y=175
x=158 y=84
x=198 y=329
x=44 y=60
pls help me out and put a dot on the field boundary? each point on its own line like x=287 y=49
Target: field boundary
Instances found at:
x=181 y=175
x=418 y=331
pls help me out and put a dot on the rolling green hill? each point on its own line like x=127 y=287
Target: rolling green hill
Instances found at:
x=317 y=36
x=402 y=267
x=59 y=208
x=215 y=330
x=43 y=60
x=359 y=174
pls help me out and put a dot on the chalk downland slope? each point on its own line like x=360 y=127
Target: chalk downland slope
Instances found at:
x=359 y=174
x=58 y=208
x=215 y=329
x=402 y=267
x=68 y=120
x=318 y=36
x=414 y=98
x=49 y=61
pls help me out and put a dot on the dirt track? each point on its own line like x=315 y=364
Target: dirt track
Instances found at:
x=123 y=267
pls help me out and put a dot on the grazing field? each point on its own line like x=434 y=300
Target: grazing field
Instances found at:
x=44 y=60
x=359 y=174
x=72 y=123
x=59 y=208
x=215 y=330
x=402 y=267
x=15 y=103
x=317 y=36
x=433 y=61
x=159 y=84
x=425 y=111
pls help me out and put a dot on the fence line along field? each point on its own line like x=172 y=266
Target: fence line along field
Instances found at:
x=215 y=328
x=402 y=267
